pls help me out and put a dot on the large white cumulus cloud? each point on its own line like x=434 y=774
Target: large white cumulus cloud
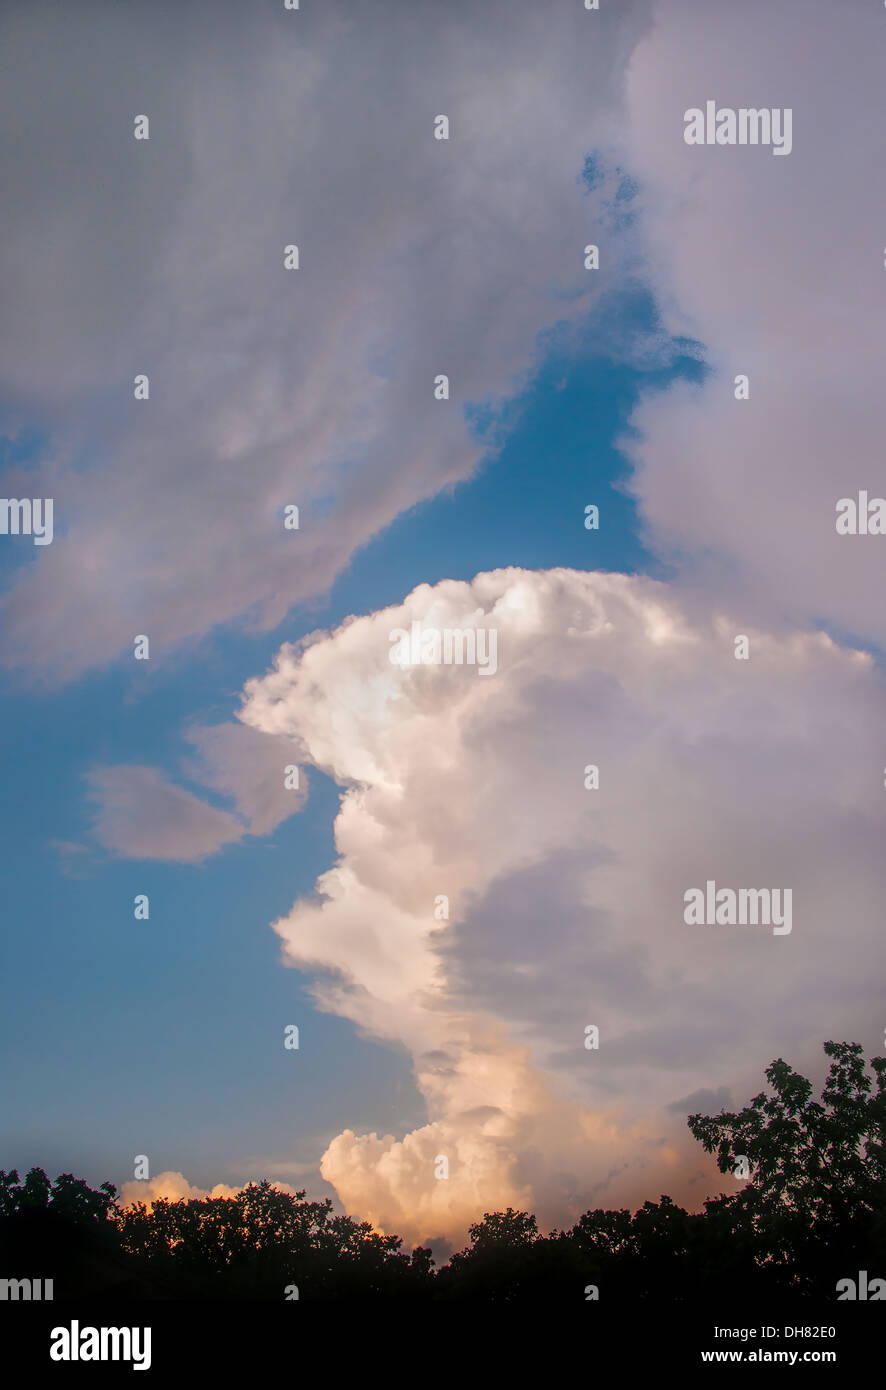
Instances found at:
x=566 y=904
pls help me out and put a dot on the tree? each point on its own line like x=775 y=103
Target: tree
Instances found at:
x=817 y=1193
x=66 y=1229
x=812 y=1212
x=499 y=1262
x=256 y=1243
x=68 y=1197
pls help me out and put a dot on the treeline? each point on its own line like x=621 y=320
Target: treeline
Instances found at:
x=811 y=1213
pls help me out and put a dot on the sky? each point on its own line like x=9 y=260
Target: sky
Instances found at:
x=428 y=1031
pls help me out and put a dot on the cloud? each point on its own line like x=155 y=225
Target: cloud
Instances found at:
x=703 y=1102
x=312 y=387
x=250 y=768
x=776 y=265
x=174 y=1187
x=566 y=905
x=141 y=814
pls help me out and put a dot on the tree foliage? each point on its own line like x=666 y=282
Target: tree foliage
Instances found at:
x=812 y=1211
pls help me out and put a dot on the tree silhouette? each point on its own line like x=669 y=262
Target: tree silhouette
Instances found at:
x=812 y=1211
x=501 y=1260
x=261 y=1241
x=817 y=1195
